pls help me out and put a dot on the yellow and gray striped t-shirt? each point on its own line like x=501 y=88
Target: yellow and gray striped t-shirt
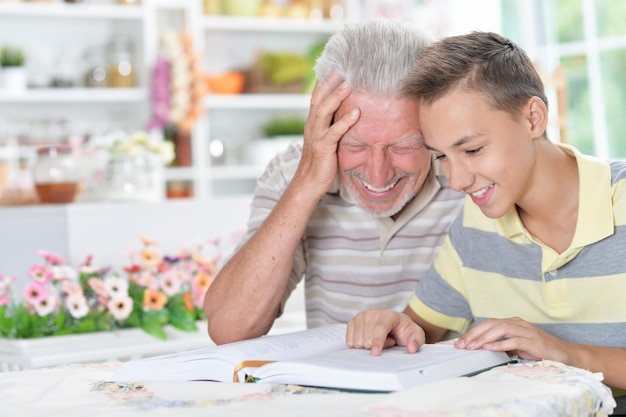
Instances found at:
x=493 y=268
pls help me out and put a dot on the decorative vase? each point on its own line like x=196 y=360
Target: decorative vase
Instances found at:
x=121 y=344
x=135 y=178
x=14 y=79
x=261 y=151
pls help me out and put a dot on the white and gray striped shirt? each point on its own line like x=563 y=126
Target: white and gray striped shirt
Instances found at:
x=352 y=261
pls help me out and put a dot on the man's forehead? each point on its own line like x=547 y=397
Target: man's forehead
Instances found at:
x=413 y=137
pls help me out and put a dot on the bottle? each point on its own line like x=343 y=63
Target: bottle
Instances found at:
x=96 y=73
x=56 y=174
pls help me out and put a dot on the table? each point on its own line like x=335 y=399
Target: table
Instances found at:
x=529 y=389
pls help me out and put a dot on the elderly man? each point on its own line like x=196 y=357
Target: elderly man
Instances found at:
x=357 y=210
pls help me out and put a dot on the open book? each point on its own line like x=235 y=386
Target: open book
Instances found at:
x=315 y=357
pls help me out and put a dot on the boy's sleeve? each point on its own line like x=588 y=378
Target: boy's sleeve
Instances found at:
x=440 y=295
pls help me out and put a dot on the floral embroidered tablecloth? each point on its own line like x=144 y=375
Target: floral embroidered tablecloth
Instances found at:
x=533 y=389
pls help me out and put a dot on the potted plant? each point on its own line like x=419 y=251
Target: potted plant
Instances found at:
x=279 y=133
x=13 y=70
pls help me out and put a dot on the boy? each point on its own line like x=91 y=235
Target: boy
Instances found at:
x=535 y=260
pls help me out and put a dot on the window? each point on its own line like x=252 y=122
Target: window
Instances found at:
x=587 y=39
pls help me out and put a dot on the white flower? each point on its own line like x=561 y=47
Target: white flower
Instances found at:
x=60 y=272
x=139 y=143
x=116 y=286
x=88 y=269
x=48 y=304
x=120 y=306
x=77 y=305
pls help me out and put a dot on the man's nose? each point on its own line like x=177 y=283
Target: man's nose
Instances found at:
x=380 y=169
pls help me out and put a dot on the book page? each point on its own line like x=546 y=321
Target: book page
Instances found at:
x=393 y=370
x=218 y=363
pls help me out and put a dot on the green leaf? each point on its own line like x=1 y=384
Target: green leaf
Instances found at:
x=183 y=319
x=104 y=321
x=133 y=320
x=60 y=320
x=154 y=329
x=158 y=316
x=7 y=322
x=86 y=326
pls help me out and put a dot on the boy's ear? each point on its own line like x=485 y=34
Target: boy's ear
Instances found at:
x=537 y=116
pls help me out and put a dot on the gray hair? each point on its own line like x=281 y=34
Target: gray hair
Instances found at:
x=373 y=55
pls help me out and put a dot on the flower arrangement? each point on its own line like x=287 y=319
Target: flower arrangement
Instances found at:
x=140 y=142
x=153 y=291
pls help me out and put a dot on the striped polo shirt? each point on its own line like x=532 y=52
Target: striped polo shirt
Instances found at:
x=495 y=268
x=352 y=261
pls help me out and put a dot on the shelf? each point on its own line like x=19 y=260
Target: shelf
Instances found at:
x=179 y=174
x=69 y=10
x=235 y=172
x=77 y=95
x=269 y=24
x=257 y=101
x=219 y=172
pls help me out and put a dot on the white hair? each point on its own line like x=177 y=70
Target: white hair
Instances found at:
x=373 y=55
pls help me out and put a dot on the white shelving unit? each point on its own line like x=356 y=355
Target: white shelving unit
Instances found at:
x=229 y=43
x=65 y=30
x=77 y=96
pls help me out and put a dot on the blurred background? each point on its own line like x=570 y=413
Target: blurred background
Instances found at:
x=166 y=99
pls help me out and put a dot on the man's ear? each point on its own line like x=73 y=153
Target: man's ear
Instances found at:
x=537 y=114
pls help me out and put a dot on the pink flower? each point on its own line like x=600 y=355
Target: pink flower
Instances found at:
x=185 y=274
x=71 y=288
x=77 y=305
x=170 y=282
x=197 y=297
x=100 y=289
x=120 y=306
x=87 y=261
x=51 y=258
x=148 y=280
x=35 y=292
x=5 y=297
x=40 y=273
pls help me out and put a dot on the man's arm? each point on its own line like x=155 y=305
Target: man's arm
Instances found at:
x=244 y=299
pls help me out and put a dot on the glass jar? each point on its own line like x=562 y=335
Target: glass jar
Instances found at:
x=134 y=177
x=56 y=174
x=121 y=72
x=96 y=73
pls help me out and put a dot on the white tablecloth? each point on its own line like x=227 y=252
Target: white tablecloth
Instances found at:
x=538 y=389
